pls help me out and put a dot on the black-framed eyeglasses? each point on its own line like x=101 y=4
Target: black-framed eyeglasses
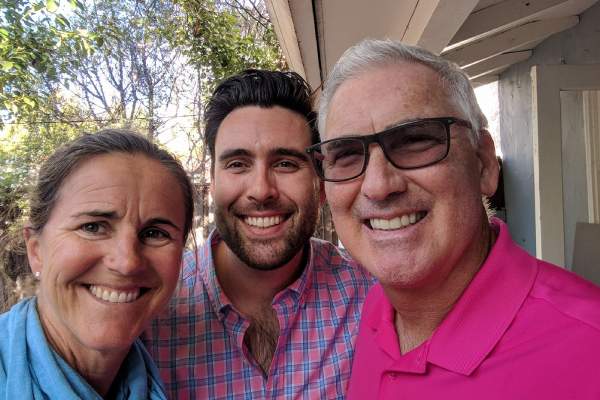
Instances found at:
x=411 y=145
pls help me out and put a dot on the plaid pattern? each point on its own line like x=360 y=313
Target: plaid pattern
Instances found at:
x=198 y=343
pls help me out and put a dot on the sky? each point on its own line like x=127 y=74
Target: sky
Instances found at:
x=487 y=97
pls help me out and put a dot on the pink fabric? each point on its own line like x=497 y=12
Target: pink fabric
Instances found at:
x=523 y=329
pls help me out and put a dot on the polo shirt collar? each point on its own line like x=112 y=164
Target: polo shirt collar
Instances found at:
x=381 y=320
x=487 y=307
x=220 y=301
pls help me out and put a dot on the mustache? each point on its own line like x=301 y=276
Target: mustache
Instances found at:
x=269 y=205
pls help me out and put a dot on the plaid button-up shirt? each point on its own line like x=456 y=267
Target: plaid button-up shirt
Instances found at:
x=198 y=344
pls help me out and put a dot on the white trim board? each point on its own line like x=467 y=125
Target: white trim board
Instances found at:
x=546 y=83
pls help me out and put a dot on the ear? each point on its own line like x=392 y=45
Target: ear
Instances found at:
x=34 y=255
x=489 y=170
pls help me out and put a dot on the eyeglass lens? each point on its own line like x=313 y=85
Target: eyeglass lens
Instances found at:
x=406 y=146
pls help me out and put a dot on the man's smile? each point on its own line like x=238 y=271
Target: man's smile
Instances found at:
x=394 y=223
x=264 y=222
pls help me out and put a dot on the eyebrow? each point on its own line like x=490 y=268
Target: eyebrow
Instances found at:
x=283 y=151
x=96 y=213
x=401 y=122
x=338 y=142
x=162 y=221
x=113 y=215
x=279 y=151
x=234 y=153
x=385 y=128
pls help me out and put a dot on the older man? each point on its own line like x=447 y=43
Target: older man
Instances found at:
x=460 y=312
x=268 y=312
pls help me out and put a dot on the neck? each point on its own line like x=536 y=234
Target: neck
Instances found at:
x=101 y=372
x=251 y=290
x=98 y=368
x=420 y=310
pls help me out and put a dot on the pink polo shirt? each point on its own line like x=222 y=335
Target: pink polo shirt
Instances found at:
x=523 y=329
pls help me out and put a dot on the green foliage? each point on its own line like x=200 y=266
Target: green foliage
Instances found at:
x=218 y=40
x=22 y=150
x=38 y=48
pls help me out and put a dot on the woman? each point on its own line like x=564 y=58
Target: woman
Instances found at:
x=109 y=218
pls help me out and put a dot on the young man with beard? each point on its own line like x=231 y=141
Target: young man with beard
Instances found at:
x=459 y=311
x=268 y=312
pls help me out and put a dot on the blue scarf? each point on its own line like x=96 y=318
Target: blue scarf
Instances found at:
x=31 y=369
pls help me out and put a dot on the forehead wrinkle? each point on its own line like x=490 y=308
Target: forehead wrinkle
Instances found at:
x=91 y=197
x=347 y=126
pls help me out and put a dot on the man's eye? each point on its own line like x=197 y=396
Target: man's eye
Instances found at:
x=347 y=153
x=415 y=142
x=287 y=165
x=345 y=156
x=235 y=165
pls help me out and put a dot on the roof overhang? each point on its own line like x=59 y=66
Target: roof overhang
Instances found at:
x=482 y=36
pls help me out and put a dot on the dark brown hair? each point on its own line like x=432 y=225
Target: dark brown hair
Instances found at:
x=261 y=88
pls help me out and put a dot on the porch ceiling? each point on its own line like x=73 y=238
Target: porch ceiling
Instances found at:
x=483 y=36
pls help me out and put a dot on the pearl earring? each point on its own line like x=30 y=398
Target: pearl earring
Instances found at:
x=37 y=274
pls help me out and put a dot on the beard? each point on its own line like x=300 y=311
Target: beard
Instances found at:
x=268 y=254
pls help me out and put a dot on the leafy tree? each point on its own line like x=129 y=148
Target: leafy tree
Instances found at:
x=223 y=38
x=38 y=49
x=136 y=73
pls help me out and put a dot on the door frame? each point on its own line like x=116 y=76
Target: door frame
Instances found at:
x=547 y=81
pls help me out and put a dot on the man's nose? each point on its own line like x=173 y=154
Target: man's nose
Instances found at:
x=381 y=179
x=262 y=186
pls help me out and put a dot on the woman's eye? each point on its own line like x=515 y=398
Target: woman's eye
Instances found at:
x=154 y=235
x=91 y=227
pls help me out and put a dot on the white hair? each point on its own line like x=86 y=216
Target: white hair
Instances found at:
x=371 y=53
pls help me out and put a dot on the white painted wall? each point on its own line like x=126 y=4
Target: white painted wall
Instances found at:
x=578 y=45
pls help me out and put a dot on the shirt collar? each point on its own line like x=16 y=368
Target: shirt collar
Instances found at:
x=302 y=285
x=219 y=299
x=487 y=307
x=217 y=296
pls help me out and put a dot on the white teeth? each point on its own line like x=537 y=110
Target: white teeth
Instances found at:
x=405 y=220
x=114 y=296
x=263 y=222
x=396 y=223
